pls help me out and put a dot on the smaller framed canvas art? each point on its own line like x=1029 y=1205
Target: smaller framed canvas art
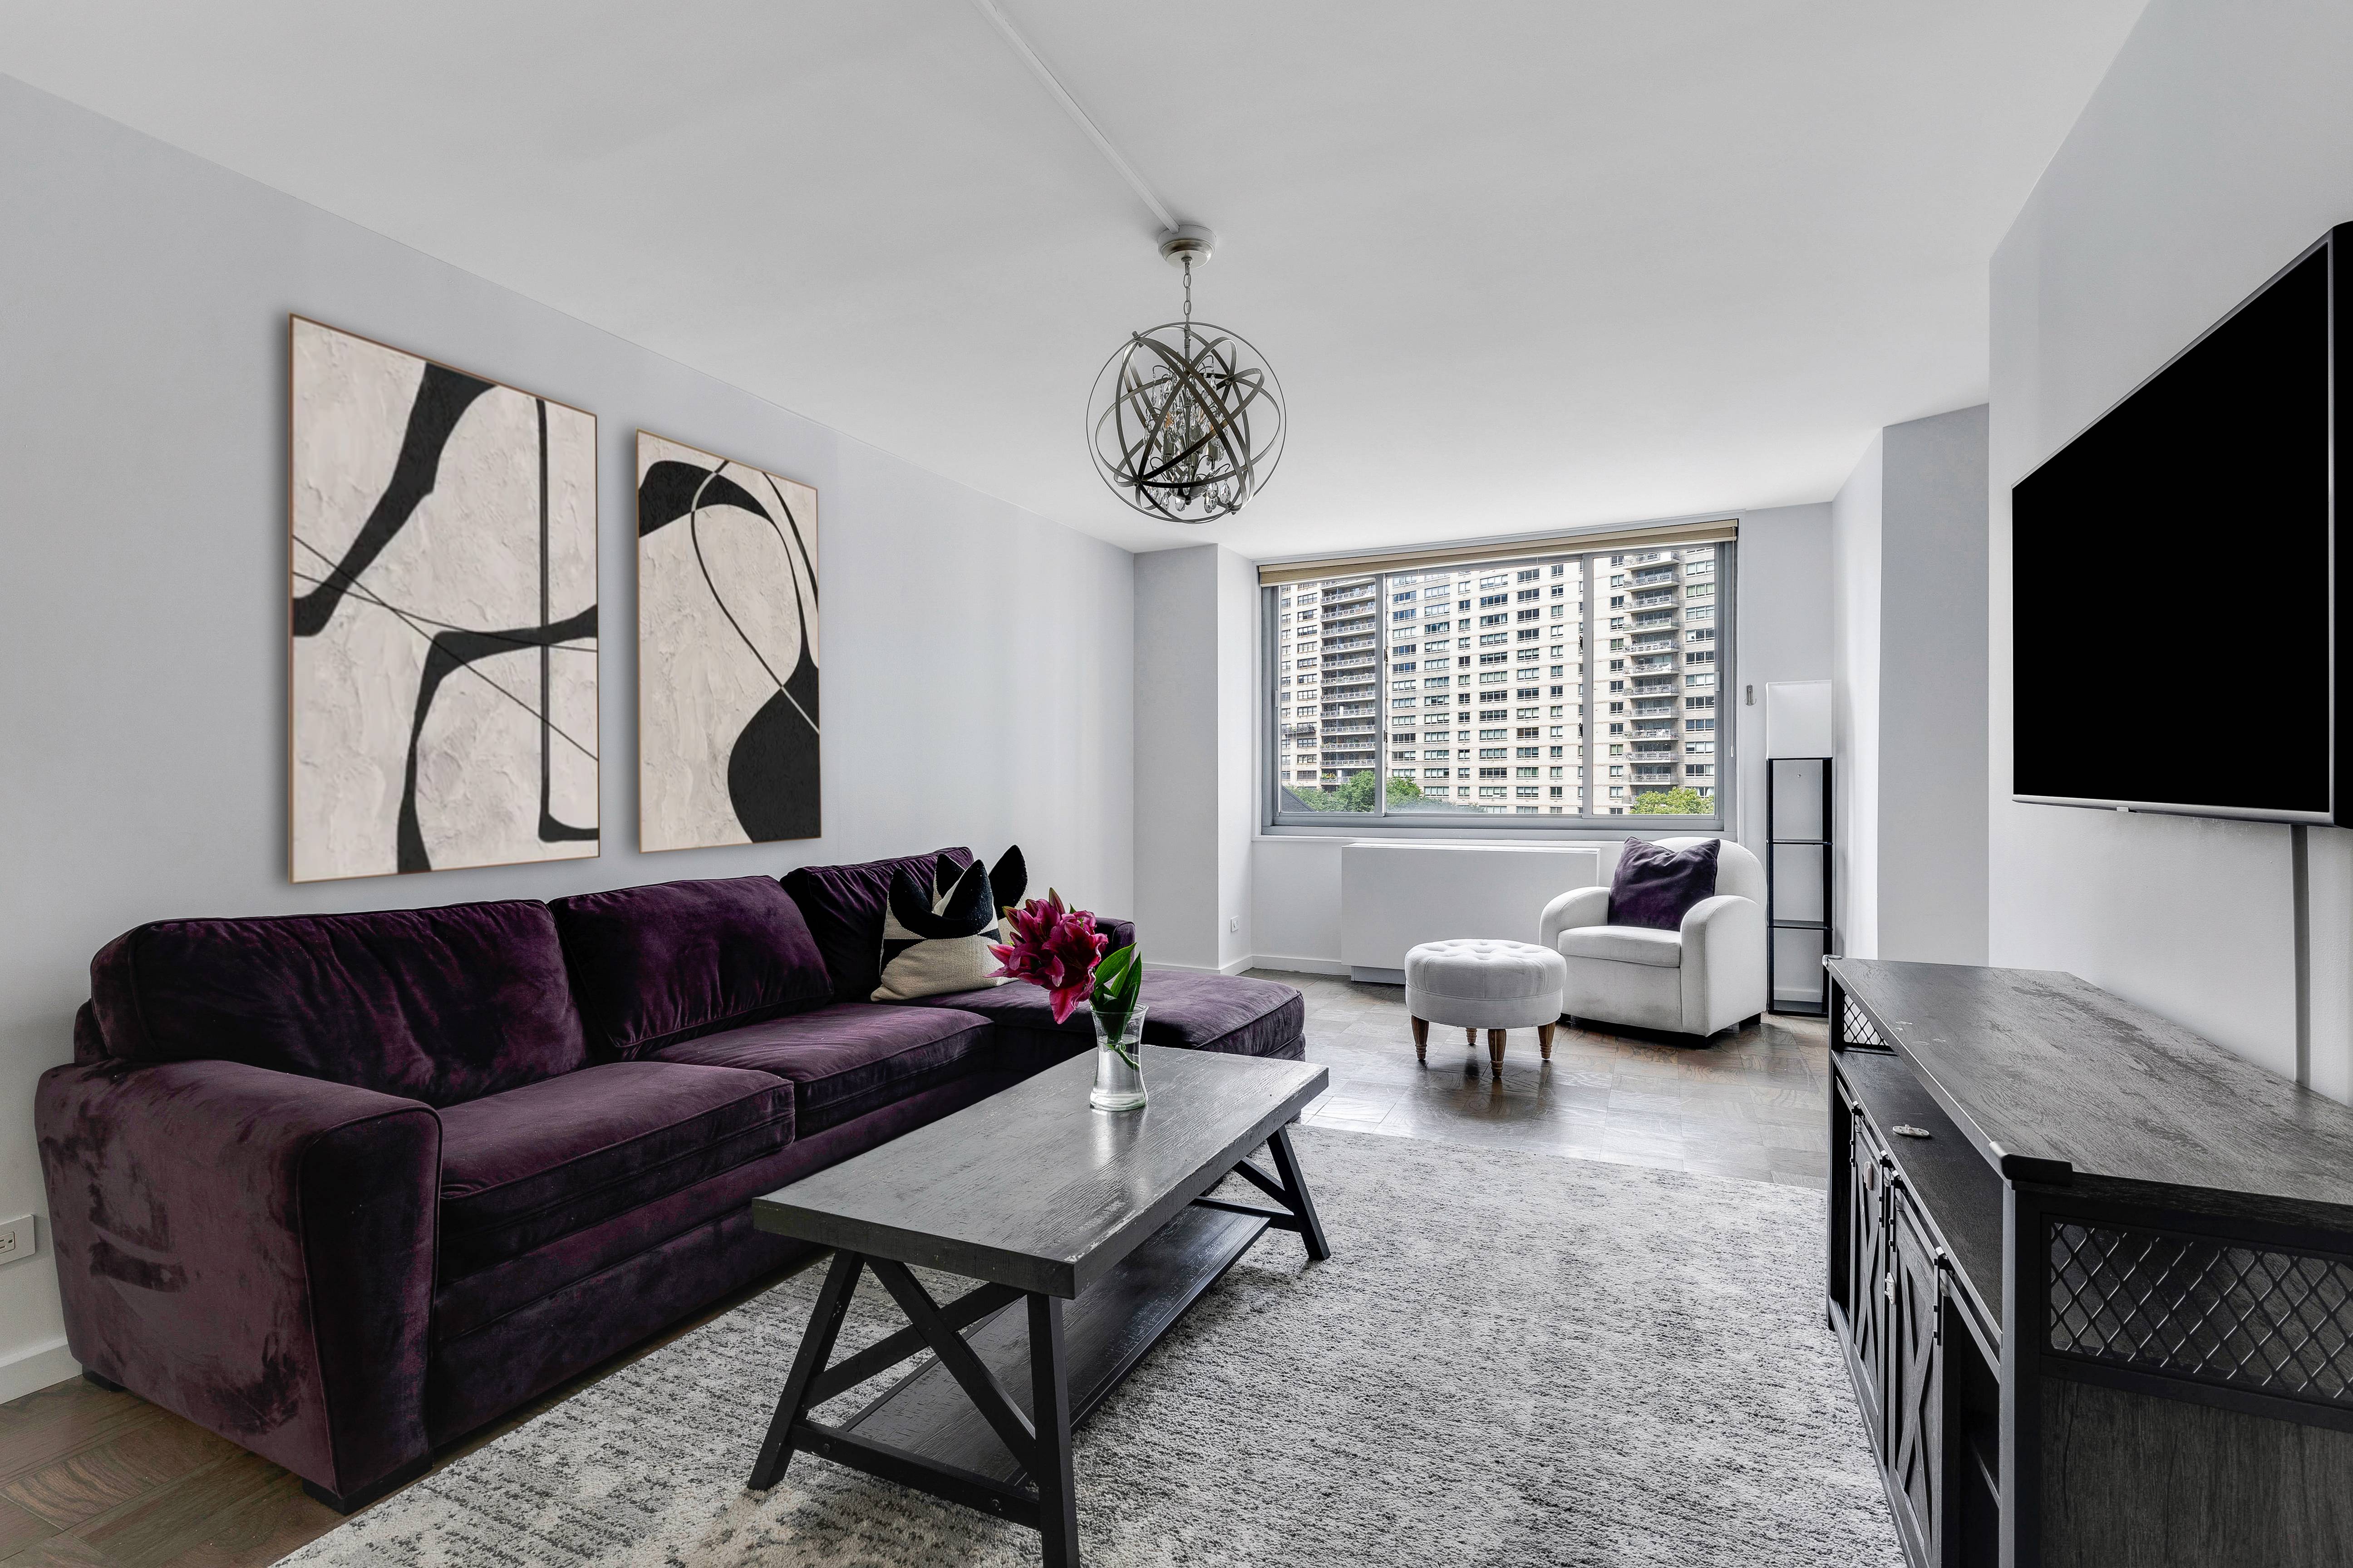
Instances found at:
x=727 y=652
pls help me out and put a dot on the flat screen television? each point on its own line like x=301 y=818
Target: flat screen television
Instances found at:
x=2176 y=574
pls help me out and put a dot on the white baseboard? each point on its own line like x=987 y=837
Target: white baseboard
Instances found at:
x=1288 y=964
x=36 y=1367
x=1235 y=967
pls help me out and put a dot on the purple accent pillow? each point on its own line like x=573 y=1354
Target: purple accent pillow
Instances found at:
x=844 y=905
x=442 y=1005
x=656 y=965
x=1656 y=885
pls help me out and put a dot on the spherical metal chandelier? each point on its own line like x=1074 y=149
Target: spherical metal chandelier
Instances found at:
x=1186 y=422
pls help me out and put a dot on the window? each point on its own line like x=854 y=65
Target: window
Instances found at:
x=1368 y=724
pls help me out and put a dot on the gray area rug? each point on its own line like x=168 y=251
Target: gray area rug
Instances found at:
x=1510 y=1358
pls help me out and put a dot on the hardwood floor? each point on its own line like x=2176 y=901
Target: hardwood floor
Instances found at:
x=93 y=1480
x=1752 y=1105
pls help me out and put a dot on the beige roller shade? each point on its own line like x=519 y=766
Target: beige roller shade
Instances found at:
x=1585 y=542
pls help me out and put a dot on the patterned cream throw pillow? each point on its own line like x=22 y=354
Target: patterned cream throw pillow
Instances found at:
x=935 y=939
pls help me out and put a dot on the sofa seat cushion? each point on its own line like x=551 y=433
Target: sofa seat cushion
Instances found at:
x=845 y=1060
x=581 y=1261
x=1198 y=1012
x=1624 y=944
x=522 y=1168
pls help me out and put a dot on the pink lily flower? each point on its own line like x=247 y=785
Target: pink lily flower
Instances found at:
x=1054 y=947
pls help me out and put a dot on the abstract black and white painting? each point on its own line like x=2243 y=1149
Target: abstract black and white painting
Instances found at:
x=442 y=674
x=727 y=718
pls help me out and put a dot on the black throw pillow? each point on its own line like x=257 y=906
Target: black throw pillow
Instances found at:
x=1656 y=885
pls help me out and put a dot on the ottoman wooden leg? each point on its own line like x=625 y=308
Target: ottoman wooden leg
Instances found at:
x=1543 y=1038
x=1470 y=1037
x=1422 y=1041
x=1495 y=1051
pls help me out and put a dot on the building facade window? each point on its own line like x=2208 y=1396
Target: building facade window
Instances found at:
x=1362 y=691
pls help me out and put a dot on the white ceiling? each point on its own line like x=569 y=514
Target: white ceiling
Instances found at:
x=1519 y=265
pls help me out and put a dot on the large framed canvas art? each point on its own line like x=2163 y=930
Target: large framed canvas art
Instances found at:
x=727 y=652
x=442 y=667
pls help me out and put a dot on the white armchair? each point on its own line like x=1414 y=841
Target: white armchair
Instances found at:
x=1706 y=976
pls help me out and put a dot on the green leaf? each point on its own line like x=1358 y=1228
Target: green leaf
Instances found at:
x=1118 y=978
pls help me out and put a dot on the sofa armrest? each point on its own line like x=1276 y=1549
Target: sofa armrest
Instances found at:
x=1577 y=906
x=1120 y=931
x=252 y=1249
x=1724 y=961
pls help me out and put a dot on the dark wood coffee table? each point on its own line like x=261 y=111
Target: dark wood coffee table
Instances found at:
x=1045 y=1200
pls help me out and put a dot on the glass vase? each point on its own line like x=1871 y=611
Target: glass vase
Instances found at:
x=1119 y=1064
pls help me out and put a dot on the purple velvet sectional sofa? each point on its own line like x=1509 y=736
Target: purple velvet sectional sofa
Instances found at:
x=343 y=1188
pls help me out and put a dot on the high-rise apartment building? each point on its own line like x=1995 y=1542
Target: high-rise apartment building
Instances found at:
x=1468 y=678
x=1466 y=689
x=1658 y=717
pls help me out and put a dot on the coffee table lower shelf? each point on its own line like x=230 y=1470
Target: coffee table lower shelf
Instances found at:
x=1106 y=1332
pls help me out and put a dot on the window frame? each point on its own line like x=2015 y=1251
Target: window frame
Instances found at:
x=1590 y=693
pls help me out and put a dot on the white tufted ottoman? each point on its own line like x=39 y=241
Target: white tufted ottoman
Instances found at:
x=1490 y=986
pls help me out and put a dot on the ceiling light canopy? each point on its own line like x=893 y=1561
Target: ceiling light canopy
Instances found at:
x=1186 y=421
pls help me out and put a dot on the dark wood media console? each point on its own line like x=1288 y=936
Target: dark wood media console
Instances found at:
x=2092 y=1276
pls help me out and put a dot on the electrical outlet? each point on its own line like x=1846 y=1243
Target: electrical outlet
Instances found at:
x=16 y=1239
x=1234 y=923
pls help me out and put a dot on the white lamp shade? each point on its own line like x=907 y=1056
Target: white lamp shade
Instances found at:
x=1797 y=717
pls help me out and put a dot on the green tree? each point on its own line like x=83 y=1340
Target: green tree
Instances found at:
x=1681 y=801
x=1354 y=794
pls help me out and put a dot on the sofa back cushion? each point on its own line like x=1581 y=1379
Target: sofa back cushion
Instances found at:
x=844 y=905
x=656 y=965
x=441 y=1004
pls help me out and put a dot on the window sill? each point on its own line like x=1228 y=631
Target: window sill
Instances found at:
x=1587 y=831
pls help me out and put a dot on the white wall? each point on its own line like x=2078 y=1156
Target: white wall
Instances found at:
x=1783 y=629
x=1238 y=731
x=1295 y=894
x=2220 y=144
x=978 y=664
x=1855 y=529
x=1178 y=788
x=1196 y=617
x=1932 y=686
x=1908 y=543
